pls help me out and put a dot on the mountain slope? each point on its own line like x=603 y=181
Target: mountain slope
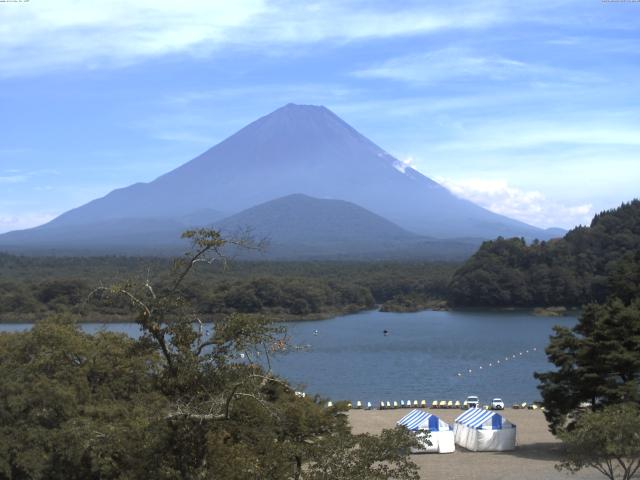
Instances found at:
x=304 y=220
x=298 y=226
x=111 y=235
x=305 y=149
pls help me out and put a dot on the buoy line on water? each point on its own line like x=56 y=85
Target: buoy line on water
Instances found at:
x=499 y=362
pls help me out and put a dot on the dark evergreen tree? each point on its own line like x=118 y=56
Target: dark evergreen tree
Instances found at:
x=598 y=361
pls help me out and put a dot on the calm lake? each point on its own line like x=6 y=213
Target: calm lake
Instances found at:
x=350 y=358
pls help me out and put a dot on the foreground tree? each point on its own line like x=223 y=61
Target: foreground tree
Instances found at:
x=365 y=457
x=607 y=440
x=598 y=362
x=186 y=400
x=76 y=406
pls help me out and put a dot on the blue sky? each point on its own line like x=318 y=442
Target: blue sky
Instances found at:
x=530 y=109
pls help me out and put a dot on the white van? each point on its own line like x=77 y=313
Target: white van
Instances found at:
x=473 y=401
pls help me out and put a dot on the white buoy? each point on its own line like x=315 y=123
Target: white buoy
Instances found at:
x=480 y=367
x=470 y=370
x=534 y=349
x=520 y=353
x=498 y=361
x=491 y=365
x=459 y=374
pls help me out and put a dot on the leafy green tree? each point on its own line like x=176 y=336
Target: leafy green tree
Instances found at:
x=365 y=457
x=186 y=400
x=607 y=440
x=598 y=361
x=73 y=405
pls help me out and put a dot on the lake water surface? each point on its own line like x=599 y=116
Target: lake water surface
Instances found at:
x=350 y=358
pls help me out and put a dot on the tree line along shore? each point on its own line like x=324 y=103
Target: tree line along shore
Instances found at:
x=33 y=287
x=586 y=265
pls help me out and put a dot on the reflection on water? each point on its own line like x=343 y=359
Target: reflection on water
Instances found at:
x=425 y=355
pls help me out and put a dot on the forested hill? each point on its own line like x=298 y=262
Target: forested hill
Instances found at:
x=585 y=265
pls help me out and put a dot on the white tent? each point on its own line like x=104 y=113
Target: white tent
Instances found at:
x=484 y=431
x=440 y=433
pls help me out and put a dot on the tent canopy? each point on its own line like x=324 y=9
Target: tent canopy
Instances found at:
x=484 y=419
x=421 y=420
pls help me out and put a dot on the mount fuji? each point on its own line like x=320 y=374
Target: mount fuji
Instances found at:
x=297 y=149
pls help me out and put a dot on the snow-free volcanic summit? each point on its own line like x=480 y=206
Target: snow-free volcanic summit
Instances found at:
x=297 y=149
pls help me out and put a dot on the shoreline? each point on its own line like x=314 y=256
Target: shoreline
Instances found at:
x=8 y=319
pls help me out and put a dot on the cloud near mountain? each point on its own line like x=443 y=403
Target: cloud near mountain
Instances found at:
x=529 y=206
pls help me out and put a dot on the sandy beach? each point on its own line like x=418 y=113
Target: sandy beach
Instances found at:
x=533 y=459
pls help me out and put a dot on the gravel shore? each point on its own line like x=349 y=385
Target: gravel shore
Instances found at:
x=533 y=459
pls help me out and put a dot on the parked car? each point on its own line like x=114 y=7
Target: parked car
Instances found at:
x=473 y=401
x=497 y=404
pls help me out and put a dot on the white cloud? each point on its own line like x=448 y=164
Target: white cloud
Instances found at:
x=44 y=35
x=19 y=176
x=341 y=20
x=439 y=65
x=9 y=222
x=528 y=206
x=13 y=178
x=521 y=133
x=463 y=63
x=38 y=36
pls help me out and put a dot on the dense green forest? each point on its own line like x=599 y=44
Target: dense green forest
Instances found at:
x=31 y=287
x=587 y=265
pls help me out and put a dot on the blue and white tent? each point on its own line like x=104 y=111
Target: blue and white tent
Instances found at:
x=484 y=430
x=440 y=433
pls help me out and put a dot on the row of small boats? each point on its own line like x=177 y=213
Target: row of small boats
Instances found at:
x=441 y=404
x=422 y=404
